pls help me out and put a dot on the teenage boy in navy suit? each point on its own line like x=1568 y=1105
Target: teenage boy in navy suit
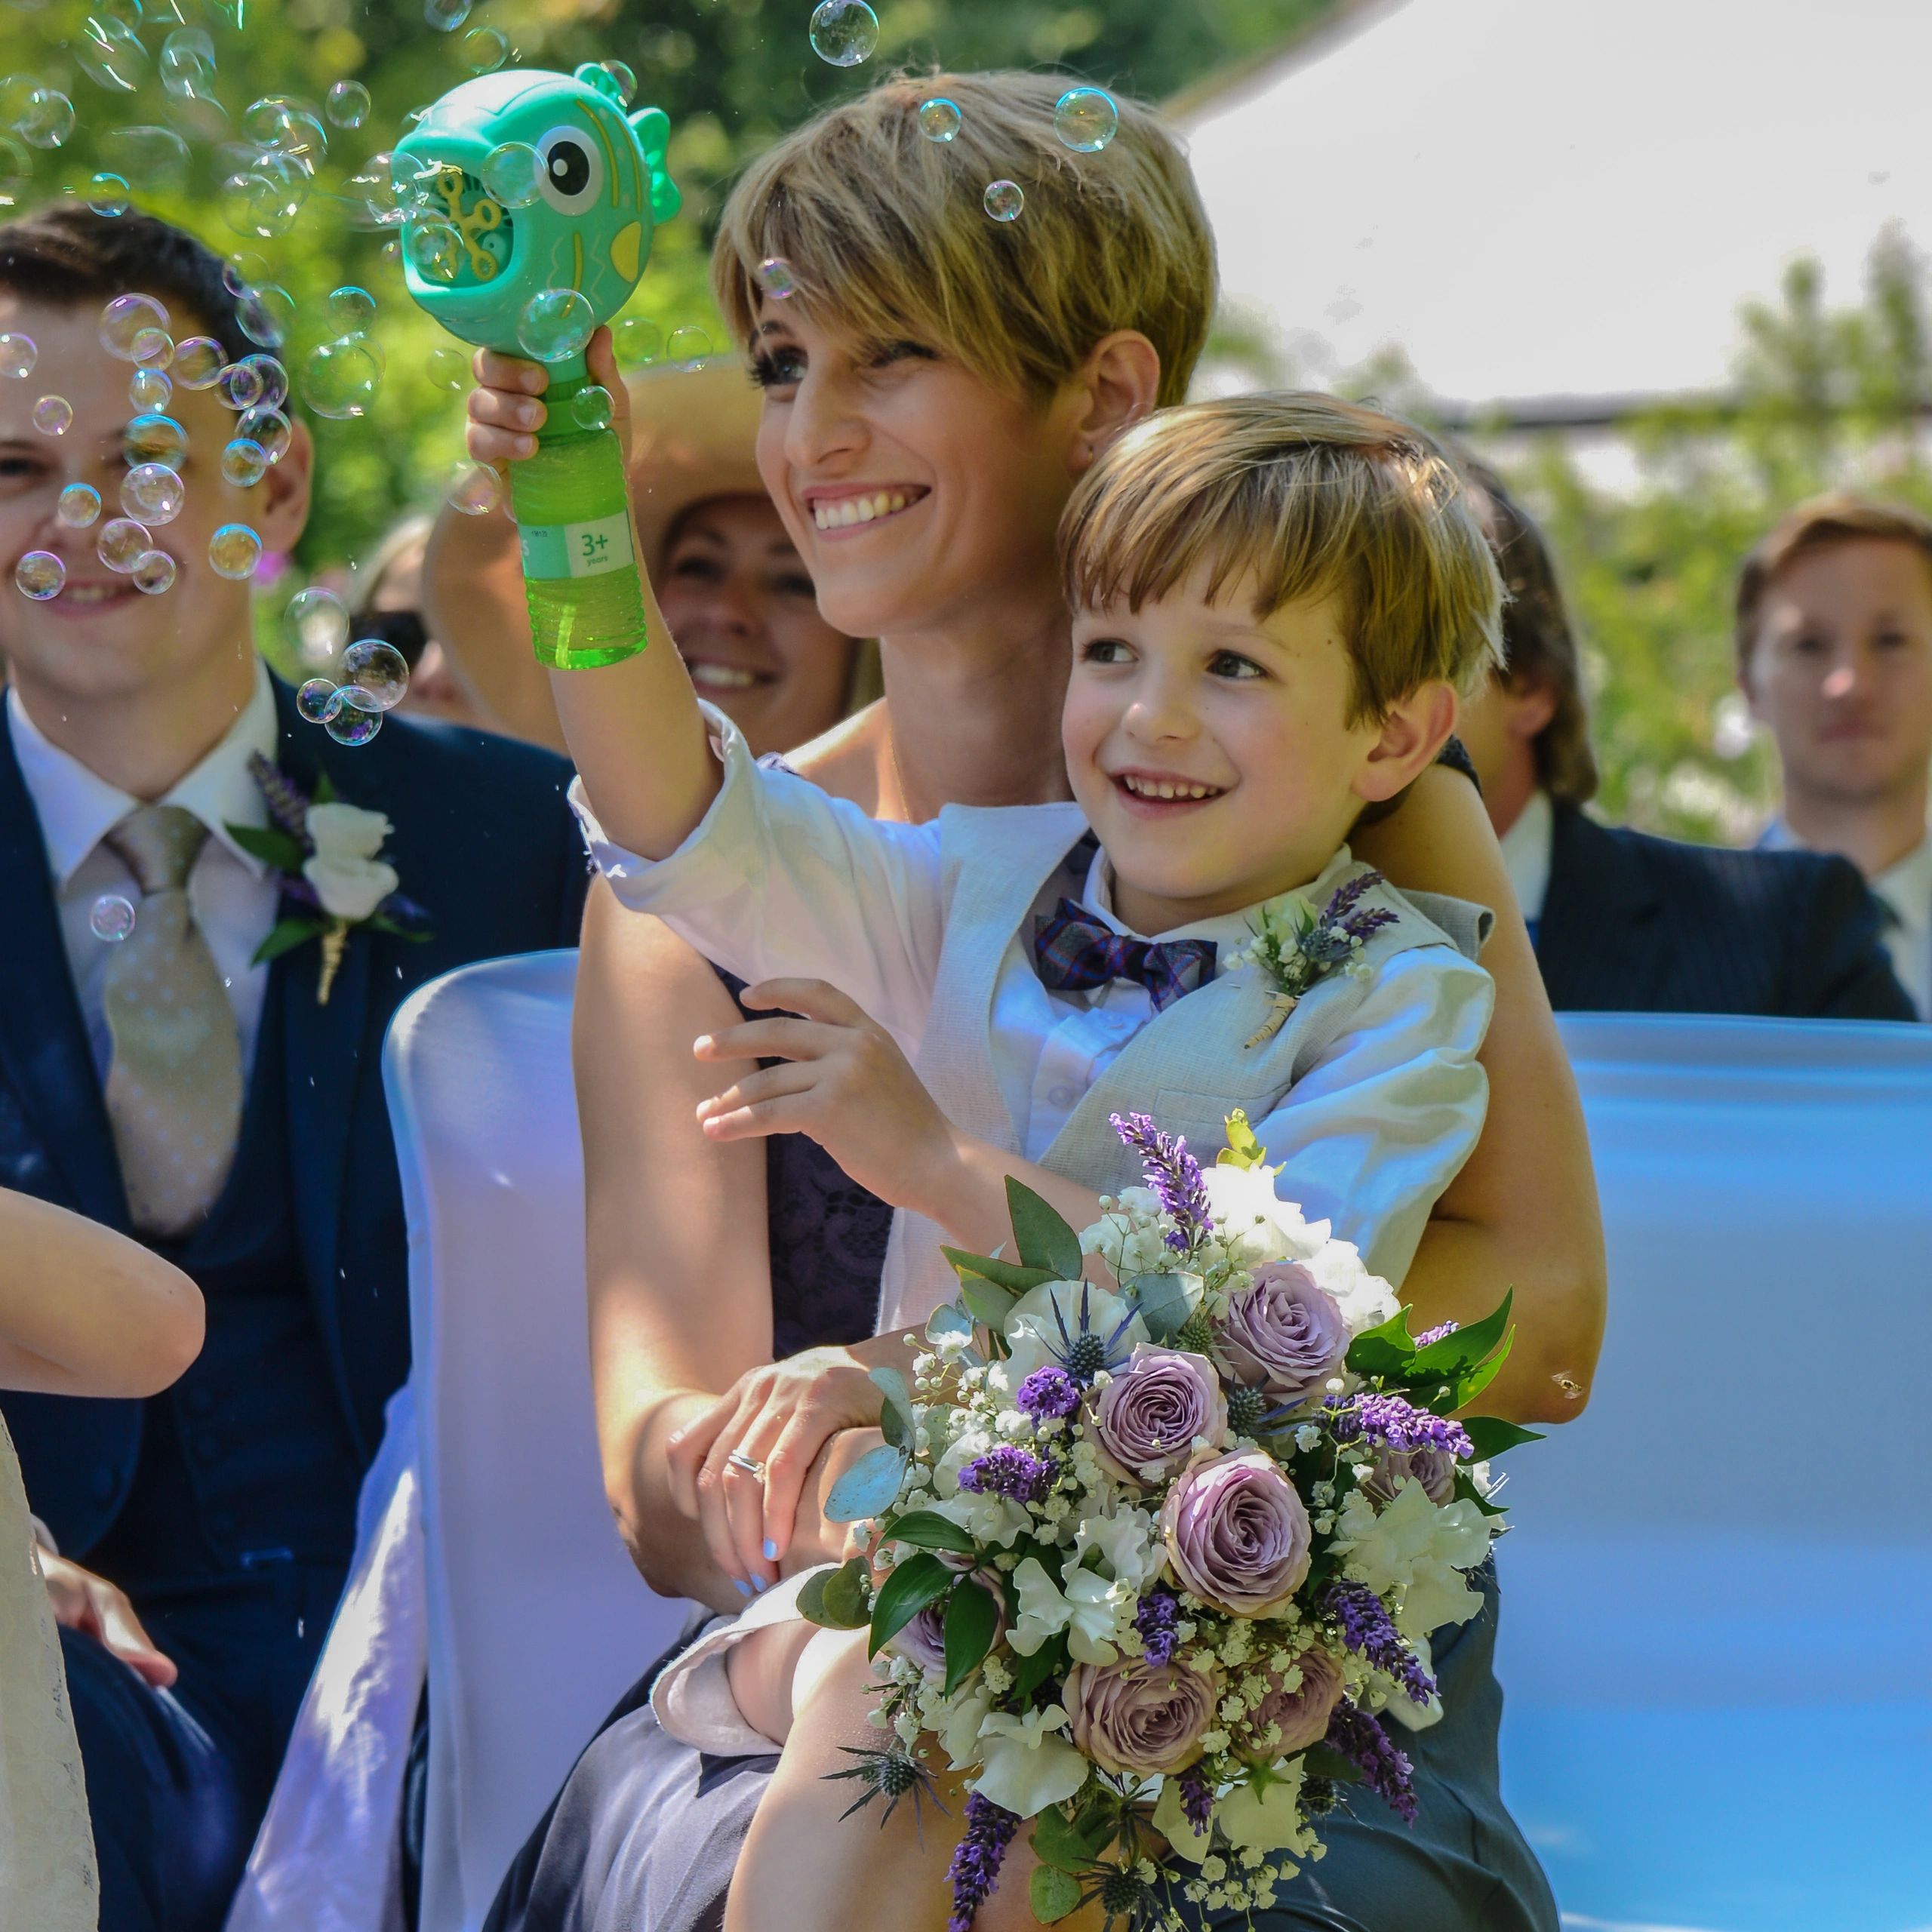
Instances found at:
x=167 y=1082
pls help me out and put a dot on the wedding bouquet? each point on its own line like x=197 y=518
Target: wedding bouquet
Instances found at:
x=1153 y=1564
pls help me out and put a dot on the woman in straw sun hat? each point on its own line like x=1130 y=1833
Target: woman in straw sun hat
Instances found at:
x=739 y=602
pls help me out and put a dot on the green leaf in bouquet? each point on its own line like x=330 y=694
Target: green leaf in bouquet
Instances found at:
x=1462 y=1349
x=927 y=1529
x=1491 y=1435
x=905 y=1591
x=1465 y=1388
x=1385 y=1353
x=1043 y=1238
x=1052 y=1893
x=1061 y=1841
x=986 y=1302
x=285 y=936
x=838 y=1599
x=1243 y=1150
x=272 y=845
x=1323 y=1761
x=869 y=1487
x=972 y=1622
x=1051 y=1660
x=898 y=1410
x=1166 y=1301
x=1007 y=1275
x=1467 y=1492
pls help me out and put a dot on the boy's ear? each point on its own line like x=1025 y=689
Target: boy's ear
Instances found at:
x=1117 y=384
x=285 y=486
x=1415 y=731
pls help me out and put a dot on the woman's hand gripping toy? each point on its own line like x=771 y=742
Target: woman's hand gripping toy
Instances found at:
x=529 y=201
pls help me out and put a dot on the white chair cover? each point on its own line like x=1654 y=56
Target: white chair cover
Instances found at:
x=1717 y=1603
x=538 y=1622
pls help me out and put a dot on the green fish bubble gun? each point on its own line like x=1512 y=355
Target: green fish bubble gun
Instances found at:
x=528 y=200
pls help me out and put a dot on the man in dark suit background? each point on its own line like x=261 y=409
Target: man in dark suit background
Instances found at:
x=1623 y=921
x=229 y=1111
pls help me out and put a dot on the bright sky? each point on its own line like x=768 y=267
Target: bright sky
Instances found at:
x=1565 y=197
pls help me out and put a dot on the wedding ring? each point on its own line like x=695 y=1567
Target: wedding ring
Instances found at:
x=739 y=1460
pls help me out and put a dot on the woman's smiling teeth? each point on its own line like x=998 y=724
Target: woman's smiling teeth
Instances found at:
x=713 y=677
x=1165 y=787
x=849 y=510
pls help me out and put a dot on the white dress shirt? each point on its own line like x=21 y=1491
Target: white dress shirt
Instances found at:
x=1905 y=890
x=1526 y=852
x=232 y=895
x=779 y=879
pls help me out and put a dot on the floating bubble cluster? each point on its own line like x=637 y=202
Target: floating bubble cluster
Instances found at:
x=158 y=158
x=244 y=462
x=843 y=32
x=234 y=551
x=40 y=574
x=152 y=493
x=315 y=624
x=240 y=384
x=688 y=347
x=352 y=727
x=198 y=362
x=1086 y=119
x=79 y=504
x=318 y=700
x=1004 y=200
x=591 y=407
x=775 y=278
x=18 y=354
x=122 y=543
x=555 y=324
x=939 y=118
x=475 y=490
x=111 y=917
x=126 y=320
x=264 y=426
x=52 y=414
x=375 y=675
x=153 y=572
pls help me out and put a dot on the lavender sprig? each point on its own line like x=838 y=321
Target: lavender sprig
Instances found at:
x=1011 y=1472
x=1048 y=1393
x=286 y=804
x=1369 y=1631
x=974 y=1870
x=1158 y=1612
x=1386 y=1770
x=1197 y=1801
x=1436 y=1333
x=1174 y=1175
x=1393 y=1423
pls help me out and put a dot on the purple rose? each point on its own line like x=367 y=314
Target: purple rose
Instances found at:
x=1237 y=1533
x=1150 y=1413
x=924 y=1639
x=1282 y=1333
x=1139 y=1717
x=1434 y=1469
x=1302 y=1714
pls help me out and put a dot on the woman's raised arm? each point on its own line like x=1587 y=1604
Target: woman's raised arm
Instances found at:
x=1522 y=1214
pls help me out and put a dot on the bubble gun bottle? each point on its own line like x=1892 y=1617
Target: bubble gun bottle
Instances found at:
x=529 y=199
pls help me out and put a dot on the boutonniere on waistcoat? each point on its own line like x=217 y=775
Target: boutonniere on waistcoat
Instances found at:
x=1296 y=947
x=329 y=856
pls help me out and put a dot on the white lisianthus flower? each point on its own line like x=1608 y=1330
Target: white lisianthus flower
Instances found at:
x=1028 y=1765
x=1416 y=1550
x=958 y=1730
x=986 y=1518
x=1174 y=1825
x=1034 y=1335
x=1125 y=1541
x=349 y=880
x=1087 y=1608
x=1267 y=1820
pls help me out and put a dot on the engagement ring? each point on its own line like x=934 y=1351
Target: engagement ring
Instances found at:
x=739 y=1460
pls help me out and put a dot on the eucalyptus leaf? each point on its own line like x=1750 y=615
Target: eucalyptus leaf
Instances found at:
x=972 y=1623
x=1491 y=1435
x=986 y=1301
x=1041 y=1234
x=895 y=1428
x=1007 y=1275
x=927 y=1529
x=1060 y=1842
x=869 y=1487
x=906 y=1591
x=1052 y=1893
x=898 y=1399
x=1165 y=1301
x=838 y=1599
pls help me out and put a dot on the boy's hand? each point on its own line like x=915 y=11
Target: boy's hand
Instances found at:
x=845 y=1083
x=506 y=407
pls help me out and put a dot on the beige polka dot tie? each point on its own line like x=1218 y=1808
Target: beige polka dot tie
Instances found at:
x=174 y=1082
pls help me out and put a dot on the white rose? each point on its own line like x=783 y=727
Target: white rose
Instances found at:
x=1366 y=1300
x=349 y=880
x=1254 y=1223
x=340 y=832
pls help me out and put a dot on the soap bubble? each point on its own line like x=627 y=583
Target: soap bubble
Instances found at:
x=111 y=54
x=590 y=408
x=111 y=917
x=474 y=489
x=375 y=675
x=353 y=310
x=315 y=624
x=187 y=63
x=52 y=414
x=1086 y=119
x=436 y=249
x=290 y=130
x=625 y=77
x=448 y=368
x=244 y=462
x=939 y=118
x=18 y=354
x=153 y=348
x=16 y=169
x=271 y=379
x=151 y=493
x=78 y=506
x=484 y=49
x=264 y=314
x=158 y=158
x=352 y=727
x=446 y=16
x=775 y=278
x=843 y=32
x=243 y=271
x=40 y=573
x=153 y=572
x=48 y=119
x=318 y=700
x=198 y=362
x=240 y=385
x=555 y=324
x=348 y=104
x=264 y=199
x=125 y=318
x=513 y=174
x=121 y=543
x=340 y=380
x=688 y=347
x=1003 y=200
x=266 y=425
x=234 y=551
x=148 y=389
x=107 y=194
x=153 y=438
x=638 y=341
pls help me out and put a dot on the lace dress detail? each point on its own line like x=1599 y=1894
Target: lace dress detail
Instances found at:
x=47 y=1877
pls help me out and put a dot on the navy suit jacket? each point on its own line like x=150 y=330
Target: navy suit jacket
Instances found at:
x=483 y=842
x=1633 y=924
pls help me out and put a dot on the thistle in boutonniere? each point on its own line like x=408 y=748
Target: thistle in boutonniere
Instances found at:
x=1297 y=947
x=332 y=873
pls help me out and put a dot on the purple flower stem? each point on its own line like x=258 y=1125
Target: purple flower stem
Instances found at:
x=976 y=1859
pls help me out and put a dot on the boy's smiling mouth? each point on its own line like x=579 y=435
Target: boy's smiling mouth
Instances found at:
x=1145 y=791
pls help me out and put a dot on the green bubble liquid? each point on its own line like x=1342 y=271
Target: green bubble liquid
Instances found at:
x=579 y=566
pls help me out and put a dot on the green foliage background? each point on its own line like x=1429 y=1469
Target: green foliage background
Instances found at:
x=1820 y=398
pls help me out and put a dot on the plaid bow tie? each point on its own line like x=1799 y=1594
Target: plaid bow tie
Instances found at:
x=1074 y=951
